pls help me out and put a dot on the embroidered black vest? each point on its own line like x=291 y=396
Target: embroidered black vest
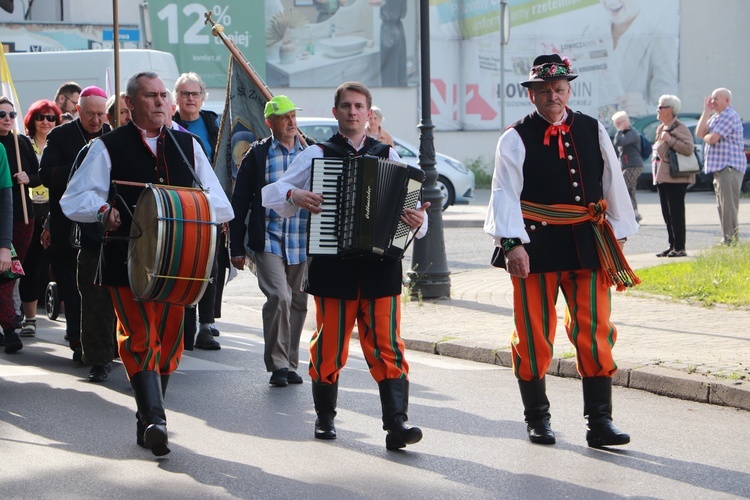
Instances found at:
x=576 y=179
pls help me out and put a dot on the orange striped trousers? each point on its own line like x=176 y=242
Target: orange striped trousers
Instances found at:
x=379 y=335
x=149 y=334
x=587 y=322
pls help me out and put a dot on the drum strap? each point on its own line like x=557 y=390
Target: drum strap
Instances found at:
x=187 y=162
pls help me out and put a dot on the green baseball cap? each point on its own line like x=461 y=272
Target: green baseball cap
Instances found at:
x=279 y=105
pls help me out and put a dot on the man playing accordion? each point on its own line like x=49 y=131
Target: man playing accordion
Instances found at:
x=360 y=289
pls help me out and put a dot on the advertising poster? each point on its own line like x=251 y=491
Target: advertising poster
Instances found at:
x=625 y=52
x=321 y=43
x=179 y=28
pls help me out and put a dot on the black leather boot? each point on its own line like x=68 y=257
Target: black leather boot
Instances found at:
x=536 y=411
x=394 y=398
x=325 y=397
x=152 y=421
x=597 y=406
x=139 y=427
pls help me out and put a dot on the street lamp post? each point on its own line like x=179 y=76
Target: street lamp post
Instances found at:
x=430 y=268
x=504 y=27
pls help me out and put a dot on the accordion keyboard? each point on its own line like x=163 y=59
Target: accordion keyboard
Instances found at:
x=323 y=236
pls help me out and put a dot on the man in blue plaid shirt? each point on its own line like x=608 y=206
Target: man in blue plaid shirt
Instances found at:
x=721 y=129
x=276 y=244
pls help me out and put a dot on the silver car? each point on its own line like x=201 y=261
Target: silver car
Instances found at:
x=455 y=181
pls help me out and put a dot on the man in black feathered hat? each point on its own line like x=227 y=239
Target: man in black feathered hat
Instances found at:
x=559 y=214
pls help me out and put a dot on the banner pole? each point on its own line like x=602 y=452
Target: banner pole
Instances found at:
x=116 y=47
x=20 y=169
x=217 y=30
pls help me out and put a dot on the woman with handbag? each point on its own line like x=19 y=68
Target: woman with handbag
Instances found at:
x=672 y=134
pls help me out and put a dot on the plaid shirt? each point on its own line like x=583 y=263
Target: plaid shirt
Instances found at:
x=729 y=151
x=284 y=237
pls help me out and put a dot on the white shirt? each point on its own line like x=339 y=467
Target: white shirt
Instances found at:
x=87 y=191
x=504 y=218
x=298 y=176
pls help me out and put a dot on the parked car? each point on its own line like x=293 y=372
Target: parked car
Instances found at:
x=455 y=181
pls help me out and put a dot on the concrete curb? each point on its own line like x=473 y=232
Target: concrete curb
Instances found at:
x=461 y=223
x=661 y=381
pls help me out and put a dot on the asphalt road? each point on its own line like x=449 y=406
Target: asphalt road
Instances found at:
x=234 y=436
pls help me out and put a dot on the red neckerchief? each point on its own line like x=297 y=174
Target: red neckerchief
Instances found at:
x=557 y=130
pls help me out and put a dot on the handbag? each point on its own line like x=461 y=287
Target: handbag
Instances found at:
x=682 y=165
x=15 y=271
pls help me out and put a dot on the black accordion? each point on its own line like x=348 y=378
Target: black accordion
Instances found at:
x=363 y=199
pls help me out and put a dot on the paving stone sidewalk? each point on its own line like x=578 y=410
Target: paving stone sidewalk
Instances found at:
x=669 y=348
x=666 y=347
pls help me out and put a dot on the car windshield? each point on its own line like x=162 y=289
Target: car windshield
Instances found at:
x=319 y=132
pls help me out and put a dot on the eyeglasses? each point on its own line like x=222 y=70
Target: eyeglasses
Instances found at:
x=69 y=99
x=663 y=107
x=185 y=94
x=12 y=114
x=49 y=118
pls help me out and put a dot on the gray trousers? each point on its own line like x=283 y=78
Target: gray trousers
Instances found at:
x=284 y=311
x=97 y=314
x=727 y=183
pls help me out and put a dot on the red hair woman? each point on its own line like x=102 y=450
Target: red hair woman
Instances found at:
x=42 y=116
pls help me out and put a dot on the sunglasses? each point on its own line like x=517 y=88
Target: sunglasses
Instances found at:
x=12 y=114
x=49 y=118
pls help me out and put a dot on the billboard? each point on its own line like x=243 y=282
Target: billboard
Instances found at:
x=180 y=28
x=312 y=43
x=625 y=52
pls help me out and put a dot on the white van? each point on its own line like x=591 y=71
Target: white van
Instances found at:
x=38 y=75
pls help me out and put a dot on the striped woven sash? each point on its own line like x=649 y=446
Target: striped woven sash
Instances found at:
x=613 y=262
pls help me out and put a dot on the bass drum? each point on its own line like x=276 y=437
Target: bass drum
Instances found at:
x=172 y=245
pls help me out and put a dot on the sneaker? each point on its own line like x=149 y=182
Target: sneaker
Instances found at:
x=28 y=329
